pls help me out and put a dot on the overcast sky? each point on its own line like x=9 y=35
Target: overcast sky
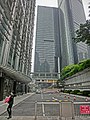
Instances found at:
x=85 y=3
x=53 y=3
x=47 y=2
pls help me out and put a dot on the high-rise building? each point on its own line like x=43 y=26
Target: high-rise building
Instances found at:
x=47 y=44
x=16 y=37
x=71 y=15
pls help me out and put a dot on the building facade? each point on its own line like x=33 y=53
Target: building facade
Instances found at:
x=16 y=37
x=71 y=15
x=47 y=42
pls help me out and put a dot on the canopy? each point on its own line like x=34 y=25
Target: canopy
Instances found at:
x=15 y=75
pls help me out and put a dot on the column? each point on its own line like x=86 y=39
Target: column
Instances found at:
x=1 y=88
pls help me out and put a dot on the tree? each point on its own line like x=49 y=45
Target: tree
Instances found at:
x=83 y=33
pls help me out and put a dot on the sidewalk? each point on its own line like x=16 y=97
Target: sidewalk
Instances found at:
x=42 y=118
x=17 y=100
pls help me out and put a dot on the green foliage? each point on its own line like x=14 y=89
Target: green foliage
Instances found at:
x=74 y=68
x=75 y=91
x=65 y=91
x=72 y=92
x=65 y=71
x=79 y=93
x=83 y=33
x=85 y=93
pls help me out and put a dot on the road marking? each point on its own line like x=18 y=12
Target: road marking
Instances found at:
x=55 y=99
x=43 y=109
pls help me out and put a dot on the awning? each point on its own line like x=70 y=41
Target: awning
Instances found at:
x=15 y=75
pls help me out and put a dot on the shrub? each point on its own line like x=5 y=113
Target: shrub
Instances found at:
x=85 y=93
x=72 y=92
x=65 y=91
x=76 y=91
x=70 y=70
x=79 y=93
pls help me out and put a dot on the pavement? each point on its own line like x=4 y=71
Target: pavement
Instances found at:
x=43 y=118
x=20 y=98
x=17 y=100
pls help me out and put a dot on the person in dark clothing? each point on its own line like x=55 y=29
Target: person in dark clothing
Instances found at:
x=10 y=104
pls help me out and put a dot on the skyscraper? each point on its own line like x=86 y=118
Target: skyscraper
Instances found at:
x=47 y=44
x=16 y=35
x=71 y=15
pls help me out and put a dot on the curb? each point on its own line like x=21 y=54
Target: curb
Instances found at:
x=77 y=95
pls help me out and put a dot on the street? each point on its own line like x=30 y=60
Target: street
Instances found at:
x=27 y=106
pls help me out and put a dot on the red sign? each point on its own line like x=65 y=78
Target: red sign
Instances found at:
x=84 y=109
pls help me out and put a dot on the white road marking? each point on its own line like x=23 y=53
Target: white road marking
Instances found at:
x=43 y=109
x=54 y=98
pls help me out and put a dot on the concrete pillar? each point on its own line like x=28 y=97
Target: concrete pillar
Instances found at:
x=25 y=88
x=14 y=87
x=1 y=88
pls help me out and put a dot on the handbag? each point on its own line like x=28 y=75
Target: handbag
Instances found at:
x=7 y=99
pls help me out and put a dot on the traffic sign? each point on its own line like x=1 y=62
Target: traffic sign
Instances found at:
x=84 y=109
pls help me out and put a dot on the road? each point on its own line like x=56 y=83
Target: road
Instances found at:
x=27 y=107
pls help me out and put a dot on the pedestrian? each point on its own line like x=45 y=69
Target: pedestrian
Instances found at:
x=10 y=104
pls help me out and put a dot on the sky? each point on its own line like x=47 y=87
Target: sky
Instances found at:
x=53 y=3
x=85 y=3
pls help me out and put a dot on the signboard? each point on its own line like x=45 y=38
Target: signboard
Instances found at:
x=84 y=109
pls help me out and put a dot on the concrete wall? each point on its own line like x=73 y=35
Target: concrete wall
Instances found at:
x=79 y=81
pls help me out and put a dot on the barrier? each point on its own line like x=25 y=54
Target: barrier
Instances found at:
x=82 y=108
x=67 y=109
x=45 y=109
x=59 y=109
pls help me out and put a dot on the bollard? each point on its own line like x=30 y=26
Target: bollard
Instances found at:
x=68 y=97
x=86 y=99
x=74 y=98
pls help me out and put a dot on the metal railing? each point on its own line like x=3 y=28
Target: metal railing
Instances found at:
x=82 y=108
x=54 y=109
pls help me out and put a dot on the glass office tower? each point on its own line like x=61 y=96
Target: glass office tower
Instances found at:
x=47 y=44
x=16 y=37
x=71 y=15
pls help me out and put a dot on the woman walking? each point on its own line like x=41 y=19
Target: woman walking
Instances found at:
x=10 y=104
